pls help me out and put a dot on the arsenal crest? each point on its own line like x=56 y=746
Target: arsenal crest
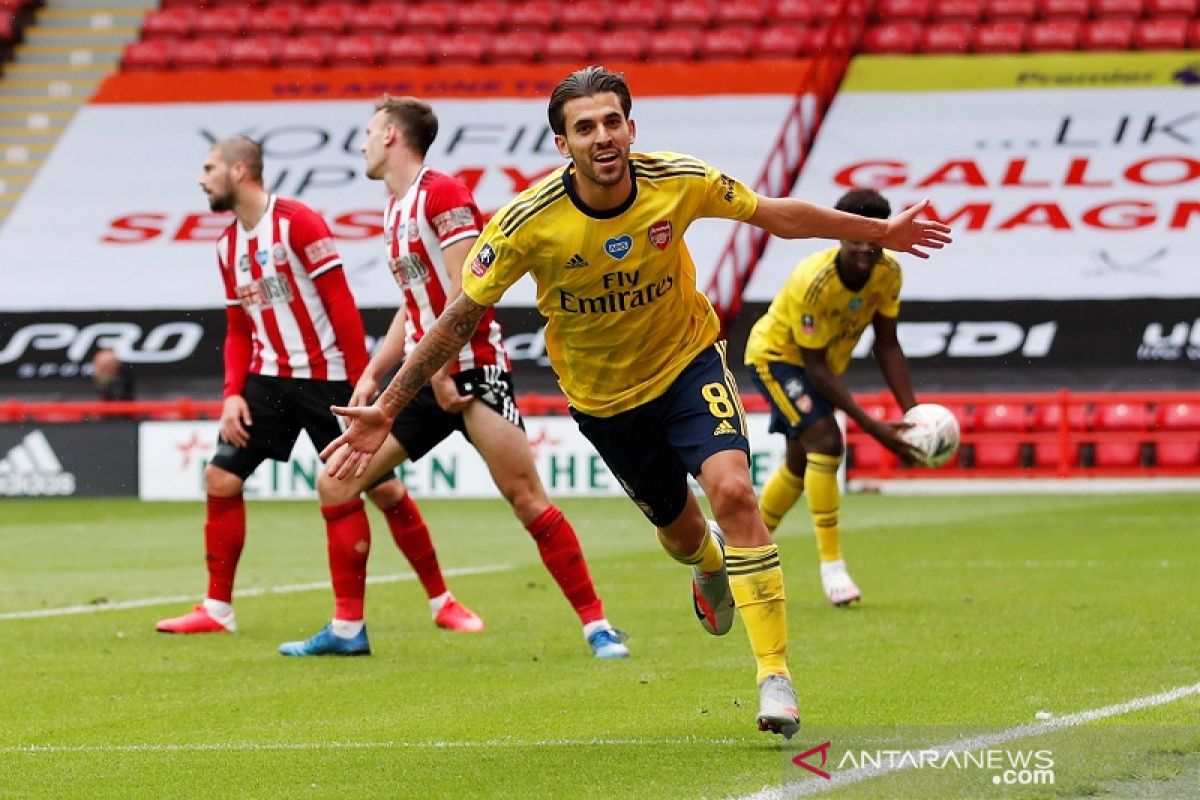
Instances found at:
x=660 y=234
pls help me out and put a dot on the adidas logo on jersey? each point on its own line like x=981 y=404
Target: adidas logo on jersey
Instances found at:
x=577 y=262
x=724 y=429
x=31 y=469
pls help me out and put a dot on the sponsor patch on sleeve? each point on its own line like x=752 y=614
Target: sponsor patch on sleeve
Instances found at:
x=454 y=220
x=320 y=250
x=483 y=261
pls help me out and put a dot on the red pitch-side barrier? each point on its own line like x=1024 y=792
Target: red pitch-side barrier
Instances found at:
x=1043 y=434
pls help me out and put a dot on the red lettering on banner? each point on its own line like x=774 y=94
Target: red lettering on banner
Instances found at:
x=470 y=176
x=955 y=173
x=1127 y=215
x=893 y=173
x=1136 y=173
x=206 y=227
x=357 y=225
x=1014 y=175
x=134 y=228
x=522 y=182
x=1184 y=210
x=976 y=215
x=1077 y=175
x=1038 y=215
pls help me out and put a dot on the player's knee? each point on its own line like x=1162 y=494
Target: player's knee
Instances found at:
x=221 y=483
x=332 y=491
x=732 y=493
x=385 y=495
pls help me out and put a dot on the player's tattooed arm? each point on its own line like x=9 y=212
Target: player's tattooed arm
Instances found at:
x=441 y=343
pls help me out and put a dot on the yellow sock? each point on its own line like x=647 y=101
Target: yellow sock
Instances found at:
x=821 y=487
x=783 y=489
x=708 y=557
x=756 y=580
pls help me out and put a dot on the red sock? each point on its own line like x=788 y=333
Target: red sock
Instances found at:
x=224 y=535
x=412 y=537
x=348 y=539
x=560 y=552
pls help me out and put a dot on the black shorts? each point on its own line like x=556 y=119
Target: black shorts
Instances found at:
x=279 y=409
x=423 y=425
x=795 y=402
x=651 y=449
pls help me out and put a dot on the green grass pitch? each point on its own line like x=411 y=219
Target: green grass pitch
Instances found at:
x=978 y=613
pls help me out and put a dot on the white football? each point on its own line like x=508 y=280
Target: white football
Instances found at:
x=934 y=433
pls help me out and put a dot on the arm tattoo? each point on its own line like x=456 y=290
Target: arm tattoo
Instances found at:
x=440 y=343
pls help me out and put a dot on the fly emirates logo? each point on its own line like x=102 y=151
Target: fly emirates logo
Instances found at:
x=622 y=291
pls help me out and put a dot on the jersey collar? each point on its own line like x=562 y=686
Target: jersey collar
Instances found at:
x=568 y=181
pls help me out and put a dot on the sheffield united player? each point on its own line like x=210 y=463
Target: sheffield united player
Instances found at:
x=294 y=343
x=431 y=223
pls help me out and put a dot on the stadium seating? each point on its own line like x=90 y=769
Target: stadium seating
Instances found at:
x=999 y=36
x=1120 y=418
x=1007 y=421
x=1048 y=419
x=536 y=15
x=1178 y=451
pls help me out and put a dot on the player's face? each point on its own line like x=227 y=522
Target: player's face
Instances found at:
x=859 y=258
x=374 y=147
x=216 y=182
x=597 y=139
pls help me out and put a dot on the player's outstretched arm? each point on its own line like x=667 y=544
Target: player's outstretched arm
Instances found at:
x=793 y=218
x=369 y=425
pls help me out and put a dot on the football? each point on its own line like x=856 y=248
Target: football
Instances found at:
x=934 y=433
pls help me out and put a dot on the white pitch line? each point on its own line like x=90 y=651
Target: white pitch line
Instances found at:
x=812 y=786
x=240 y=747
x=121 y=605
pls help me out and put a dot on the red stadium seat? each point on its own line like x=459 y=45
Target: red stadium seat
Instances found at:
x=1001 y=36
x=329 y=19
x=466 y=47
x=1051 y=35
x=1194 y=34
x=958 y=10
x=486 y=16
x=1000 y=417
x=903 y=10
x=736 y=42
x=377 y=18
x=782 y=41
x=900 y=36
x=273 y=21
x=687 y=14
x=1118 y=8
x=355 y=50
x=305 y=51
x=1182 y=450
x=945 y=37
x=405 y=48
x=253 y=52
x=1177 y=454
x=147 y=56
x=221 y=23
x=1118 y=455
x=1076 y=9
x=740 y=12
x=566 y=46
x=171 y=23
x=627 y=45
x=582 y=15
x=1163 y=33
x=673 y=44
x=1169 y=8
x=997 y=455
x=515 y=47
x=206 y=53
x=1012 y=9
x=1177 y=417
x=426 y=17
x=827 y=12
x=1121 y=416
x=1114 y=33
x=533 y=15
x=791 y=12
x=1046 y=418
x=870 y=455
x=642 y=15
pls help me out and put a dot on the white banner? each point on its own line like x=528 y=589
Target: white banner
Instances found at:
x=115 y=218
x=173 y=455
x=1053 y=193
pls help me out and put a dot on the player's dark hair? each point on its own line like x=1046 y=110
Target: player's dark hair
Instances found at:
x=244 y=149
x=864 y=203
x=414 y=118
x=585 y=83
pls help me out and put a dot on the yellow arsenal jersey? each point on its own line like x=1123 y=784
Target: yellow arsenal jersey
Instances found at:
x=815 y=310
x=617 y=287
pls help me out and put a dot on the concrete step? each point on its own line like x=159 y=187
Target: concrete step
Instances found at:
x=25 y=136
x=13 y=183
x=24 y=153
x=103 y=5
x=77 y=35
x=33 y=118
x=95 y=19
x=28 y=103
x=52 y=71
x=57 y=88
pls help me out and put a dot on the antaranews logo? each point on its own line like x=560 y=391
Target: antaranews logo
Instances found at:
x=31 y=469
x=1020 y=767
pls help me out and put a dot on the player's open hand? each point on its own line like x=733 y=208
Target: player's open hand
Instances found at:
x=905 y=233
x=367 y=431
x=891 y=436
x=235 y=421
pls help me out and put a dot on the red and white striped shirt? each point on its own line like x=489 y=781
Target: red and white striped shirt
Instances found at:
x=289 y=310
x=436 y=212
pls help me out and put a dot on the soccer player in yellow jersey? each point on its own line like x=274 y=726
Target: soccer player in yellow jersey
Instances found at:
x=635 y=346
x=798 y=350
